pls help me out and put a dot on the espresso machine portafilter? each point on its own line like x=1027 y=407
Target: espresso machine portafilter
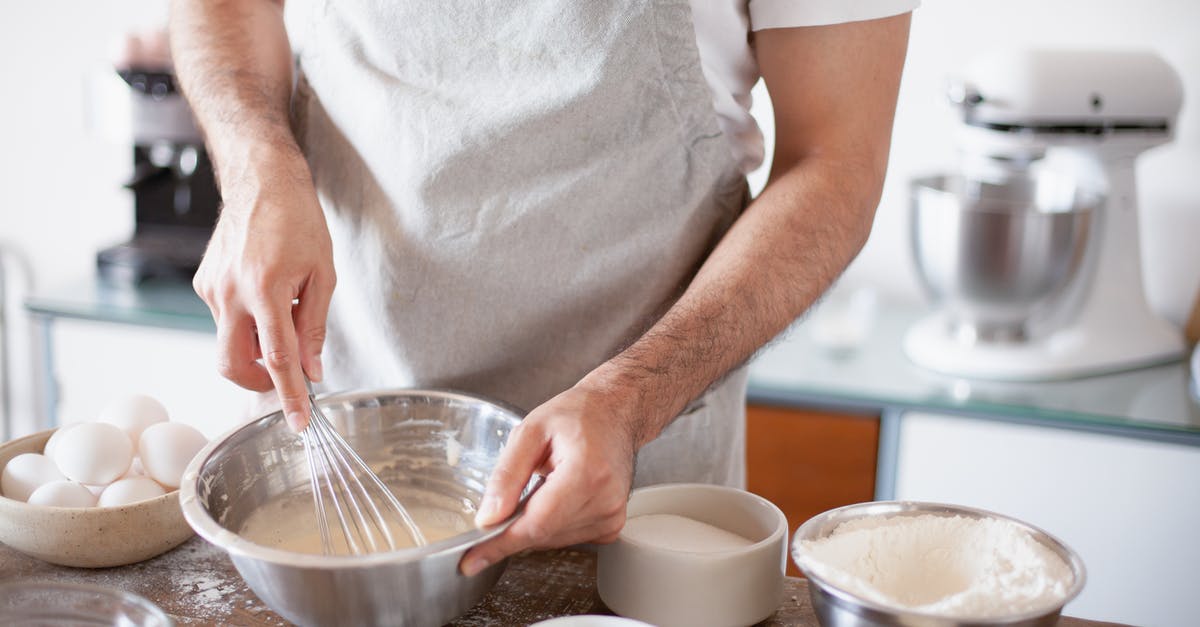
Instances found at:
x=1030 y=251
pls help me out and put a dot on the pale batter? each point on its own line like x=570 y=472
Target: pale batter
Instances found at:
x=290 y=523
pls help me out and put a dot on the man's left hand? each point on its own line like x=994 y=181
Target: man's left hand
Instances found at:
x=583 y=443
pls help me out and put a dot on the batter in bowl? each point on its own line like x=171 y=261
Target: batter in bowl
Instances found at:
x=289 y=523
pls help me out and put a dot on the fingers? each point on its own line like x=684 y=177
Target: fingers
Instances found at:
x=525 y=451
x=547 y=521
x=280 y=353
x=238 y=352
x=530 y=528
x=310 y=315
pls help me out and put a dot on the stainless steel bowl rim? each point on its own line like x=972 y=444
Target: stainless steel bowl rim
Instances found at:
x=902 y=507
x=1092 y=199
x=208 y=528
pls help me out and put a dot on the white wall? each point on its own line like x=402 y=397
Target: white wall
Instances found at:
x=947 y=32
x=60 y=188
x=61 y=199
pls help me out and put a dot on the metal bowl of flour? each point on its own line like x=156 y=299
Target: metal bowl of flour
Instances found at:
x=435 y=449
x=837 y=606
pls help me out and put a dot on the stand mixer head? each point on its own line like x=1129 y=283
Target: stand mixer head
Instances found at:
x=1031 y=253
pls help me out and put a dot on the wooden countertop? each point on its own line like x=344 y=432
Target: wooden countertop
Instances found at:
x=197 y=585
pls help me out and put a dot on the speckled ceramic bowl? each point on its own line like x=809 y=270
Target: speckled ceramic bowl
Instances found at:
x=88 y=537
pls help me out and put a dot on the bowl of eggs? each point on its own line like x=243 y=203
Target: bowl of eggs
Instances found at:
x=101 y=493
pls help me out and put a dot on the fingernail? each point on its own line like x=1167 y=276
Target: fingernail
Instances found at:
x=296 y=421
x=318 y=372
x=475 y=565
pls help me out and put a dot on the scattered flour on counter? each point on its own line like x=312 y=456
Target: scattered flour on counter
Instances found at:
x=680 y=533
x=207 y=591
x=951 y=566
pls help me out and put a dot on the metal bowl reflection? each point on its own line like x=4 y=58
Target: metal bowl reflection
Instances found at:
x=994 y=254
x=438 y=449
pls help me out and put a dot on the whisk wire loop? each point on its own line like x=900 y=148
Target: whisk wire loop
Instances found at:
x=341 y=481
x=310 y=451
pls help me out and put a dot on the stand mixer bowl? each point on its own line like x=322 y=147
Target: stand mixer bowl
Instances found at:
x=996 y=254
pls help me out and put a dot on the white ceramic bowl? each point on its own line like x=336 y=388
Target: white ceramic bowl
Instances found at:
x=590 y=620
x=668 y=587
x=89 y=537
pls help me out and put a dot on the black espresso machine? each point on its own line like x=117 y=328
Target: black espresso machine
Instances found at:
x=174 y=191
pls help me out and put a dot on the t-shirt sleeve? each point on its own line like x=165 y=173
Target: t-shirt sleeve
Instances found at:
x=791 y=13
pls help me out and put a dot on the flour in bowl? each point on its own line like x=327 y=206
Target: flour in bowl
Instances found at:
x=680 y=533
x=952 y=566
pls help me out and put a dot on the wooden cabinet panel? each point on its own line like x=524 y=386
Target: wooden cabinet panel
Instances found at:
x=807 y=461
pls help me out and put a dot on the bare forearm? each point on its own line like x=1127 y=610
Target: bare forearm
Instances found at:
x=833 y=118
x=269 y=294
x=785 y=250
x=234 y=63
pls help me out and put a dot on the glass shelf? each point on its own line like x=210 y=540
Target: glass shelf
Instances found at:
x=878 y=375
x=154 y=303
x=794 y=369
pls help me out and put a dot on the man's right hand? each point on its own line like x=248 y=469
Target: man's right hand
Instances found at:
x=271 y=245
x=268 y=277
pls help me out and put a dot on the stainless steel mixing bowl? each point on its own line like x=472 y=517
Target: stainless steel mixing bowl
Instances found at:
x=437 y=448
x=993 y=255
x=836 y=607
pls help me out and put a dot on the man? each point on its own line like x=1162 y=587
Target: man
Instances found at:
x=540 y=202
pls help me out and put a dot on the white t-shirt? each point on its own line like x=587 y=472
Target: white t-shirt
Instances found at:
x=722 y=35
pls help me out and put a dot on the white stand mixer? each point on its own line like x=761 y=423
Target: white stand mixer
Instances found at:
x=1087 y=114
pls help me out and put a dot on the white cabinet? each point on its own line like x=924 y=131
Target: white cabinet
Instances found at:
x=94 y=362
x=1129 y=507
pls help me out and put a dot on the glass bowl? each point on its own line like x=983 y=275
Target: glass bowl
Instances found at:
x=30 y=603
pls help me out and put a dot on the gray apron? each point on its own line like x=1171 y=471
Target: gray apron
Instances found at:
x=515 y=192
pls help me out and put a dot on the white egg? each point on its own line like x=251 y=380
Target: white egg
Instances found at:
x=133 y=413
x=130 y=490
x=166 y=448
x=94 y=452
x=55 y=438
x=27 y=472
x=62 y=494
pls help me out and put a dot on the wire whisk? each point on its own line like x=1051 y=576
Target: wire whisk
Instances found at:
x=367 y=511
